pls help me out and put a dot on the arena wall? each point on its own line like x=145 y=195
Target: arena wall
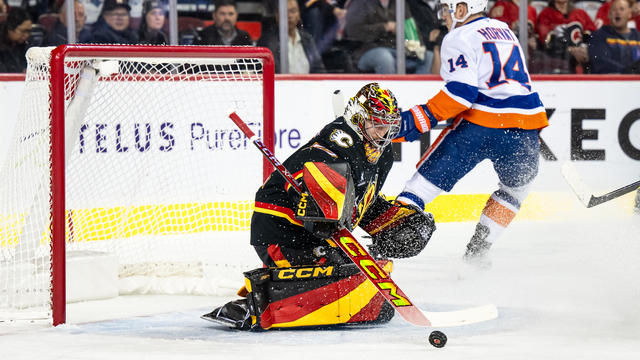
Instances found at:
x=594 y=121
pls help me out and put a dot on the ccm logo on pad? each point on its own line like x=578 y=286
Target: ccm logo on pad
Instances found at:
x=304 y=273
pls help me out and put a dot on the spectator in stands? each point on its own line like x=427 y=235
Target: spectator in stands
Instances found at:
x=303 y=57
x=602 y=17
x=426 y=19
x=508 y=11
x=321 y=19
x=153 y=17
x=324 y=20
x=372 y=25
x=93 y=9
x=113 y=25
x=312 y=16
x=614 y=48
x=432 y=30
x=224 y=30
x=14 y=33
x=3 y=7
x=331 y=46
x=564 y=30
x=58 y=35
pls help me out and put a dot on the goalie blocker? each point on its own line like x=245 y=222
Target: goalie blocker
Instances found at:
x=327 y=201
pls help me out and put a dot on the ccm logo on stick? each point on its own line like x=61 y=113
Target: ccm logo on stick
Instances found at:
x=302 y=205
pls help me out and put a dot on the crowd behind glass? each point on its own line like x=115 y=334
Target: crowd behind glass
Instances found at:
x=329 y=36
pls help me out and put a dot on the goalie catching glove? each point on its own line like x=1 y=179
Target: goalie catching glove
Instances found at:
x=327 y=199
x=397 y=230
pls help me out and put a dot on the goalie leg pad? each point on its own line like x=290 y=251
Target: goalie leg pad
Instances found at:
x=397 y=230
x=321 y=296
x=299 y=297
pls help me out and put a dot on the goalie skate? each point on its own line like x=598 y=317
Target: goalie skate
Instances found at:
x=234 y=314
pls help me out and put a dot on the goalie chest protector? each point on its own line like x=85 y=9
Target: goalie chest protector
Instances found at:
x=274 y=221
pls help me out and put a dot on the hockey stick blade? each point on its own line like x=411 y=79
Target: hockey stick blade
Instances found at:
x=397 y=298
x=597 y=200
x=337 y=101
x=583 y=193
x=462 y=317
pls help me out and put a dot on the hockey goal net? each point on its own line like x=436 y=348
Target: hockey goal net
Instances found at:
x=127 y=153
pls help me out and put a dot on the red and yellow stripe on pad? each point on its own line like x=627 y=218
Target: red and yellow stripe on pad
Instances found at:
x=327 y=187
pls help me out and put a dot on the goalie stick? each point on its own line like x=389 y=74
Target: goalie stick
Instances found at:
x=369 y=267
x=583 y=193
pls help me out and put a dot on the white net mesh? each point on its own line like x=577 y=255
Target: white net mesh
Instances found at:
x=156 y=174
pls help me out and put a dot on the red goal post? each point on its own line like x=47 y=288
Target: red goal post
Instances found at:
x=154 y=116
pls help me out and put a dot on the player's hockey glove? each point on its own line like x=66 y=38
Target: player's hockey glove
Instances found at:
x=397 y=230
x=327 y=201
x=415 y=122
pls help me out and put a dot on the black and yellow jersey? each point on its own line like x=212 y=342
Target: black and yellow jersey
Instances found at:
x=274 y=221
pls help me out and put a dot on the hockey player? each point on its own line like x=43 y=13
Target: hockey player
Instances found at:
x=307 y=280
x=496 y=116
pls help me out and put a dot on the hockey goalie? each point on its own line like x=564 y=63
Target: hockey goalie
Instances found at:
x=307 y=281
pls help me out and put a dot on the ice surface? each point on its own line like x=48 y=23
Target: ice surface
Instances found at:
x=566 y=289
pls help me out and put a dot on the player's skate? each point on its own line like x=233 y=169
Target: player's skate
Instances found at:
x=234 y=314
x=477 y=253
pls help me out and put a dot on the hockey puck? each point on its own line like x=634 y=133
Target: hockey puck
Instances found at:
x=437 y=339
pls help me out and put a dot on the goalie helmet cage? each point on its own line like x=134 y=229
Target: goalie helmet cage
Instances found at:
x=150 y=171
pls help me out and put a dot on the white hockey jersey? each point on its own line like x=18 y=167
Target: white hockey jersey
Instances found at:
x=487 y=81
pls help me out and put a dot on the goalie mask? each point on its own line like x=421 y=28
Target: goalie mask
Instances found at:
x=373 y=113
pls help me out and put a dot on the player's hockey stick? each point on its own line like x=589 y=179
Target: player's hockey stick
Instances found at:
x=264 y=150
x=583 y=193
x=369 y=267
x=337 y=102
